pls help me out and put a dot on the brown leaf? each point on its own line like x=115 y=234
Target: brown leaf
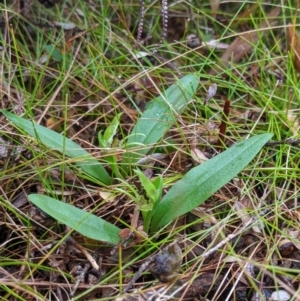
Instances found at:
x=293 y=41
x=243 y=44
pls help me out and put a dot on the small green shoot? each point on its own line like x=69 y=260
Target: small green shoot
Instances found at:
x=106 y=142
x=106 y=139
x=154 y=192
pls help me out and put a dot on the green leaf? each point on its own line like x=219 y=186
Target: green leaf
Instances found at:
x=83 y=222
x=160 y=115
x=106 y=139
x=54 y=53
x=204 y=180
x=57 y=142
x=158 y=183
x=147 y=185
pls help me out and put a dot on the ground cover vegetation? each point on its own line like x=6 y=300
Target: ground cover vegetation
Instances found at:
x=149 y=151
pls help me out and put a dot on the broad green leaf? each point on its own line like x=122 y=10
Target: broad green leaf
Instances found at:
x=204 y=180
x=160 y=115
x=83 y=222
x=57 y=142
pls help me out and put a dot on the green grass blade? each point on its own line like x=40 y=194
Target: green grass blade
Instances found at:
x=62 y=144
x=202 y=181
x=83 y=222
x=160 y=115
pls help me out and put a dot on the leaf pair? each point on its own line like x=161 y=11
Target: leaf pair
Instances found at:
x=188 y=193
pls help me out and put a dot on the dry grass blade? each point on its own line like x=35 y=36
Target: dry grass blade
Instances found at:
x=244 y=43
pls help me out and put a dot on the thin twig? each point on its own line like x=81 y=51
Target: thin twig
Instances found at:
x=88 y=256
